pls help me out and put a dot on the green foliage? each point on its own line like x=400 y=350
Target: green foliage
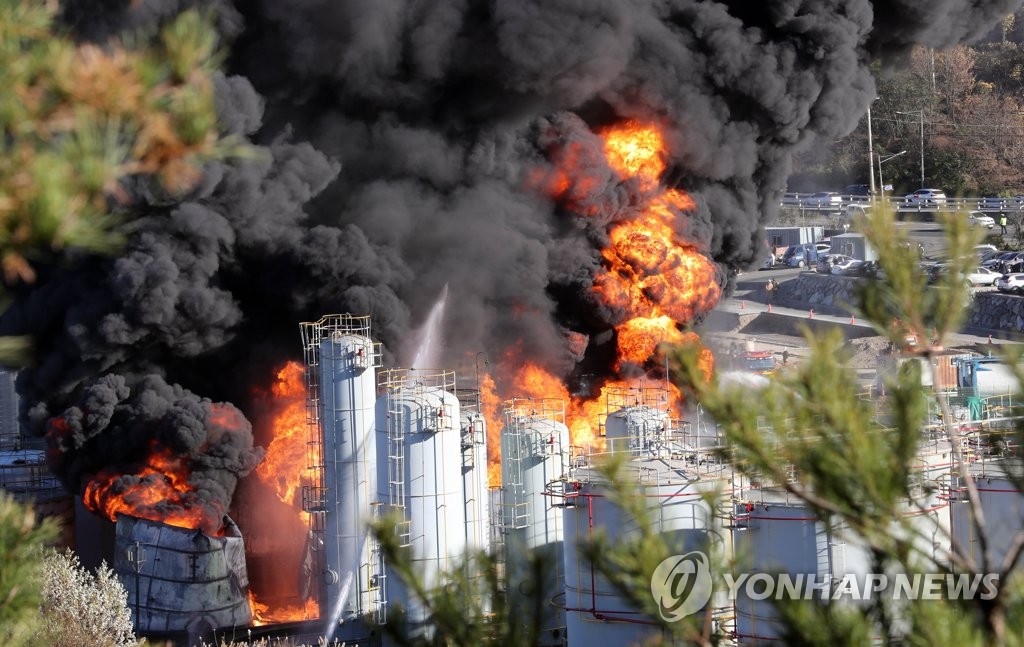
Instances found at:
x=79 y=118
x=469 y=609
x=22 y=540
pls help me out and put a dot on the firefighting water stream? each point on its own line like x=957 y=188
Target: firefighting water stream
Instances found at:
x=429 y=337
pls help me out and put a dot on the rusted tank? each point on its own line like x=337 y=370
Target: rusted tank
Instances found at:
x=181 y=580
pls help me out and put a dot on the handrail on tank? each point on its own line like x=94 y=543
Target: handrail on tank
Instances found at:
x=521 y=409
x=416 y=380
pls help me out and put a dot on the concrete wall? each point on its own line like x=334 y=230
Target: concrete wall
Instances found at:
x=990 y=311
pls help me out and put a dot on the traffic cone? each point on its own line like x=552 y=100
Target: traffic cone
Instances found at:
x=743 y=305
x=811 y=315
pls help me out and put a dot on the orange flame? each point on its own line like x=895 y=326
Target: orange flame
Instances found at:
x=285 y=470
x=158 y=491
x=263 y=614
x=285 y=464
x=652 y=272
x=653 y=275
x=491 y=404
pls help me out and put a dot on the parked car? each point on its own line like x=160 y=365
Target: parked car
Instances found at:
x=826 y=262
x=985 y=247
x=926 y=198
x=849 y=267
x=822 y=200
x=997 y=262
x=992 y=203
x=795 y=256
x=857 y=193
x=974 y=277
x=1012 y=283
x=978 y=219
x=982 y=276
x=791 y=200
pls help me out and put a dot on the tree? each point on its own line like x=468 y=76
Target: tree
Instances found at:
x=79 y=119
x=21 y=570
x=82 y=609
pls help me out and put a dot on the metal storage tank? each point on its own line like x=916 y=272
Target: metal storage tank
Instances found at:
x=25 y=475
x=596 y=612
x=1003 y=505
x=10 y=431
x=672 y=468
x=535 y=453
x=778 y=534
x=341 y=362
x=420 y=451
x=182 y=580
x=637 y=429
x=473 y=429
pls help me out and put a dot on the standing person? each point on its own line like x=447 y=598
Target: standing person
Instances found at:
x=1002 y=223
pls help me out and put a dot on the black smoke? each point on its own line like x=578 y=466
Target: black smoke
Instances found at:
x=401 y=144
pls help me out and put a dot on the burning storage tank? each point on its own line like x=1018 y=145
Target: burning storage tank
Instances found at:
x=182 y=580
x=420 y=477
x=535 y=453
x=672 y=474
x=341 y=362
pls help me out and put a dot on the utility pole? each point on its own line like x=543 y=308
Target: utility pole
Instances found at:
x=871 y=157
x=921 y=113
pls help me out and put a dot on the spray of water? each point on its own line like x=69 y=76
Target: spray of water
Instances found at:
x=428 y=336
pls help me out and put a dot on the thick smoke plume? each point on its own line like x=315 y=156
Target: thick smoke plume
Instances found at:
x=406 y=145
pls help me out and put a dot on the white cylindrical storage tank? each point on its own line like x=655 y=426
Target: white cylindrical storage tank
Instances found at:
x=775 y=538
x=475 y=490
x=637 y=429
x=419 y=460
x=596 y=612
x=534 y=453
x=929 y=513
x=347 y=396
x=1002 y=503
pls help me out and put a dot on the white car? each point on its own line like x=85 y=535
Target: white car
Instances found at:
x=849 y=267
x=979 y=219
x=982 y=276
x=927 y=198
x=822 y=200
x=1013 y=283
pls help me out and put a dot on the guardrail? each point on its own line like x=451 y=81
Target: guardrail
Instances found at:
x=900 y=204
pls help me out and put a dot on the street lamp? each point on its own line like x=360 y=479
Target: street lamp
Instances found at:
x=921 y=113
x=881 y=182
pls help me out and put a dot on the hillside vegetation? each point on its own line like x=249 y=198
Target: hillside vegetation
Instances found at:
x=972 y=98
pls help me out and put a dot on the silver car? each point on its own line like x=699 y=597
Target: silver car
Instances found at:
x=927 y=198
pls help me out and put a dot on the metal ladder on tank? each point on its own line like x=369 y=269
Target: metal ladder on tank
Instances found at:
x=516 y=508
x=396 y=471
x=377 y=576
x=823 y=547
